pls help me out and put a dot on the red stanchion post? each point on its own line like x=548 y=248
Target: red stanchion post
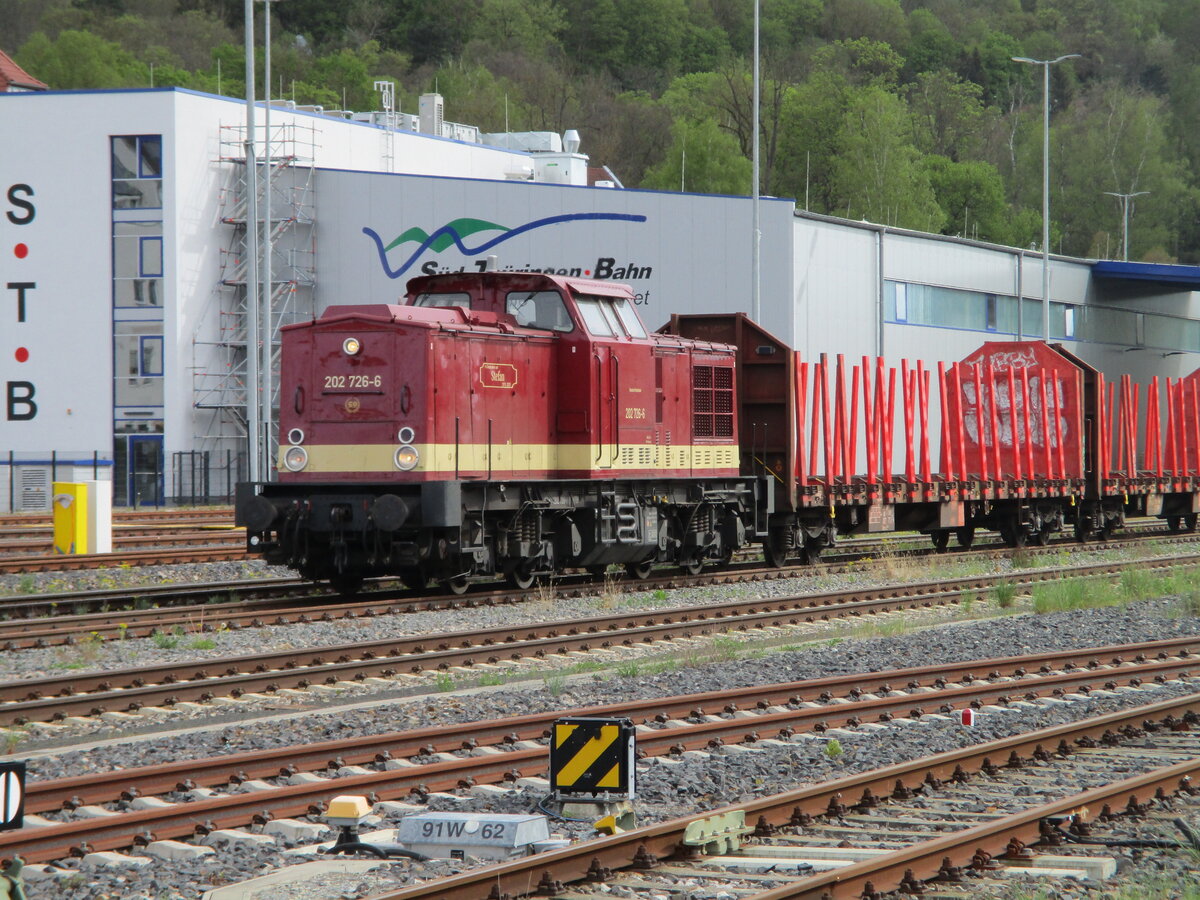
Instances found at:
x=1027 y=411
x=945 y=444
x=1012 y=423
x=923 y=395
x=800 y=372
x=981 y=439
x=991 y=381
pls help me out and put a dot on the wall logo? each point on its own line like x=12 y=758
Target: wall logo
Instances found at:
x=456 y=233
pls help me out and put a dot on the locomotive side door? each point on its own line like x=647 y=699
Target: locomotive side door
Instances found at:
x=604 y=377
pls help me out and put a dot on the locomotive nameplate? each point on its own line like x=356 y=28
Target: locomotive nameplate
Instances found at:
x=498 y=375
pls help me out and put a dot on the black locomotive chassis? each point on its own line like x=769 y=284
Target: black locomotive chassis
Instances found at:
x=458 y=528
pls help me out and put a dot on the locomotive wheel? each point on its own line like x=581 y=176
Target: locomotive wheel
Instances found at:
x=519 y=577
x=457 y=585
x=1174 y=524
x=965 y=536
x=726 y=558
x=639 y=571
x=775 y=548
x=346 y=585
x=941 y=539
x=414 y=578
x=692 y=566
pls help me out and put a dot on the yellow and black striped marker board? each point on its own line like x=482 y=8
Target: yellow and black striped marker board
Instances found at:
x=592 y=756
x=12 y=795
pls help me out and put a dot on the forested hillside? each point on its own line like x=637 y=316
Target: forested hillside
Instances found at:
x=907 y=112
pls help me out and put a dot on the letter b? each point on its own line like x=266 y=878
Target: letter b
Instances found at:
x=20 y=394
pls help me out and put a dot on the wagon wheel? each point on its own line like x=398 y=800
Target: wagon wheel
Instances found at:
x=519 y=577
x=941 y=539
x=1082 y=532
x=1174 y=524
x=346 y=585
x=1042 y=537
x=812 y=553
x=692 y=566
x=775 y=547
x=598 y=572
x=1189 y=522
x=1106 y=531
x=726 y=558
x=414 y=578
x=965 y=536
x=1013 y=535
x=456 y=585
x=639 y=571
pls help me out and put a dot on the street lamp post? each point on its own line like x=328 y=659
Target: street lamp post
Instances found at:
x=253 y=424
x=1045 y=64
x=1125 y=198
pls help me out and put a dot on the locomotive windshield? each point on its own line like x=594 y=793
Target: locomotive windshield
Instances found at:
x=610 y=317
x=538 y=309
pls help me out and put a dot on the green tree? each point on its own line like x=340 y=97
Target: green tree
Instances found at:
x=947 y=114
x=878 y=173
x=532 y=27
x=76 y=59
x=971 y=194
x=810 y=128
x=702 y=158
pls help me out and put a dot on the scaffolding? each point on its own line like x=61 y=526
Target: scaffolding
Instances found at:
x=219 y=360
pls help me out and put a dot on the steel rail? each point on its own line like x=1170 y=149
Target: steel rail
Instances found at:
x=62 y=695
x=21 y=631
x=16 y=565
x=642 y=846
x=21 y=548
x=1083 y=669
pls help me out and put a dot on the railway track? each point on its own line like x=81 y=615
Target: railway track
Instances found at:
x=30 y=621
x=57 y=697
x=420 y=762
x=1079 y=759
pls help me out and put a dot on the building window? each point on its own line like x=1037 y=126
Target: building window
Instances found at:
x=137 y=172
x=137 y=264
x=990 y=312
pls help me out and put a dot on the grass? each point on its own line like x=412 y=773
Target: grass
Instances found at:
x=203 y=644
x=27 y=584
x=444 y=682
x=492 y=679
x=629 y=669
x=833 y=749
x=1004 y=593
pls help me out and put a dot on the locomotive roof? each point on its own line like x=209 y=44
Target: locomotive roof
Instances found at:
x=591 y=286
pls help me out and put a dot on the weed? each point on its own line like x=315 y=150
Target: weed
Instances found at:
x=202 y=644
x=1137 y=584
x=882 y=628
x=610 y=593
x=122 y=630
x=629 y=670
x=1076 y=593
x=444 y=681
x=27 y=584
x=1189 y=603
x=833 y=749
x=11 y=740
x=659 y=596
x=492 y=679
x=1004 y=593
x=967 y=603
x=555 y=684
x=724 y=649
x=165 y=641
x=1023 y=559
x=666 y=665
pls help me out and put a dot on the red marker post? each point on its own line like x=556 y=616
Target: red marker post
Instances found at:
x=968 y=717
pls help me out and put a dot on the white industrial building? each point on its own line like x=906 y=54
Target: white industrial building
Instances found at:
x=123 y=266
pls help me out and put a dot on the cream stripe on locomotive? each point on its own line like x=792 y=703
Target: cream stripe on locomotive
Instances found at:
x=440 y=458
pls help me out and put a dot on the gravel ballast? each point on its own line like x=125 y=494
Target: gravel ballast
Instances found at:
x=666 y=790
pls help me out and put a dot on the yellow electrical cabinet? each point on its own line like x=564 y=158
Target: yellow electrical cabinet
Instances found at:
x=71 y=517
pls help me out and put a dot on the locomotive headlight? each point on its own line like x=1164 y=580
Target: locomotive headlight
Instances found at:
x=296 y=436
x=406 y=435
x=407 y=458
x=351 y=346
x=295 y=459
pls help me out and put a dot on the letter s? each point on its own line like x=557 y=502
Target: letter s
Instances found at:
x=21 y=218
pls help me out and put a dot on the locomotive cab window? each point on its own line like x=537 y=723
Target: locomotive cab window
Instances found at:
x=629 y=318
x=593 y=318
x=461 y=299
x=539 y=309
x=602 y=320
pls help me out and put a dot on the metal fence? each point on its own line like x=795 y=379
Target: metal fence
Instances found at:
x=198 y=478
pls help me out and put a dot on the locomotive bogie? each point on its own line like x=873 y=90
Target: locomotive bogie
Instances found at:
x=451 y=530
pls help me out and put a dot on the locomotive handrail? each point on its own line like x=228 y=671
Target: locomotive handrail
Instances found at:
x=615 y=368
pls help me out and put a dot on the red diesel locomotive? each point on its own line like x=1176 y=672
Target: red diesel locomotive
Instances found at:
x=513 y=424
x=520 y=424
